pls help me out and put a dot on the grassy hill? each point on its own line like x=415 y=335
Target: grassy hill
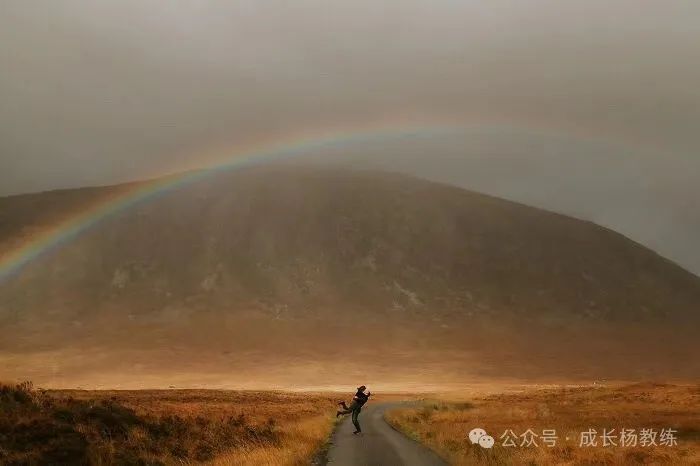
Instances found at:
x=312 y=275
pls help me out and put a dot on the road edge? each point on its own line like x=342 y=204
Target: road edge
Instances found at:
x=411 y=438
x=320 y=458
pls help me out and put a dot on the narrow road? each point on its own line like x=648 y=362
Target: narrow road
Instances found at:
x=378 y=445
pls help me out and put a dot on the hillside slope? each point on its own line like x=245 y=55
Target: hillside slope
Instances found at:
x=272 y=266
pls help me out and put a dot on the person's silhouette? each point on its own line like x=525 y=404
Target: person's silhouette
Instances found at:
x=355 y=407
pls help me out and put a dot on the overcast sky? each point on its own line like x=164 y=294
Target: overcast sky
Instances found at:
x=590 y=108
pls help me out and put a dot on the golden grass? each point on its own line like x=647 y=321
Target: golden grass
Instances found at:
x=162 y=426
x=303 y=422
x=301 y=442
x=444 y=425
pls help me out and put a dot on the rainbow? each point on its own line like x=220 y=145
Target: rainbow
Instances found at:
x=12 y=261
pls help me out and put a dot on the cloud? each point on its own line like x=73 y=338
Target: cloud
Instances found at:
x=97 y=92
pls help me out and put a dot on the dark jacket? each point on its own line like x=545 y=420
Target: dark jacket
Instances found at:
x=360 y=398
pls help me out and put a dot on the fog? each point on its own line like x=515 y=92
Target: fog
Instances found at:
x=590 y=108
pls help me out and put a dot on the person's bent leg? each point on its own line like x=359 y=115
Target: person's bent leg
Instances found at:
x=347 y=410
x=353 y=406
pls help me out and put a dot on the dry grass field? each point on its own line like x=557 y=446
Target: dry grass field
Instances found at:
x=444 y=425
x=217 y=427
x=152 y=427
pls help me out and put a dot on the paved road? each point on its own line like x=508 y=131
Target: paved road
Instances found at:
x=378 y=445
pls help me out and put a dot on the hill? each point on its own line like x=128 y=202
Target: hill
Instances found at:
x=310 y=276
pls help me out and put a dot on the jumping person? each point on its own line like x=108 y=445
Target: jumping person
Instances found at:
x=355 y=407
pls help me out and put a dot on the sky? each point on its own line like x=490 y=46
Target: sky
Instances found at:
x=589 y=108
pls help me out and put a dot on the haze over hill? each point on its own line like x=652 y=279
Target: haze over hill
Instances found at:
x=280 y=275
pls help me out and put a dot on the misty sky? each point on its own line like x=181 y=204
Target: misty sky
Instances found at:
x=591 y=108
